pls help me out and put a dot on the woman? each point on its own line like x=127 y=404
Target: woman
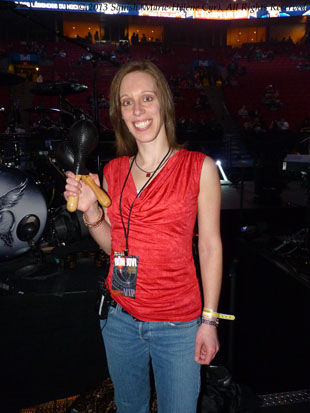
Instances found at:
x=157 y=189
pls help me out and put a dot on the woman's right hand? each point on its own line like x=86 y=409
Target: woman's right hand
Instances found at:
x=87 y=197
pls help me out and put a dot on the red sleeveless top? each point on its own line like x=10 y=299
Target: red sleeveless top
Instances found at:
x=161 y=231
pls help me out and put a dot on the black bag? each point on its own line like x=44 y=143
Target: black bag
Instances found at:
x=104 y=299
x=220 y=394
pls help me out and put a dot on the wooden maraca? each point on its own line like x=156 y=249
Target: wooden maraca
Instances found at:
x=84 y=139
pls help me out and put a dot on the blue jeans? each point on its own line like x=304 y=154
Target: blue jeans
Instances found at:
x=131 y=345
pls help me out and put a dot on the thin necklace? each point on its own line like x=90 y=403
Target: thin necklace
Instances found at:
x=148 y=174
x=126 y=231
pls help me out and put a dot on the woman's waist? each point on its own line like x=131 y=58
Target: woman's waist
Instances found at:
x=174 y=306
x=161 y=253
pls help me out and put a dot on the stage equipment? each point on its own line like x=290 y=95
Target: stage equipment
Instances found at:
x=8 y=79
x=223 y=177
x=73 y=155
x=52 y=122
x=40 y=110
x=11 y=151
x=301 y=163
x=290 y=398
x=56 y=89
x=65 y=227
x=23 y=212
x=273 y=290
x=35 y=157
x=294 y=162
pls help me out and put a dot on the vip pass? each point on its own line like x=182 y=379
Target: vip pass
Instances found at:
x=209 y=313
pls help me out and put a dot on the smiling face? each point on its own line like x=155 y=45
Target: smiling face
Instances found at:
x=140 y=107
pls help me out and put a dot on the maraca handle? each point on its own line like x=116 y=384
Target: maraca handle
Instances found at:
x=102 y=197
x=73 y=201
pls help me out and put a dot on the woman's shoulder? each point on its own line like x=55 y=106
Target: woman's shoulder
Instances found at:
x=192 y=155
x=199 y=156
x=194 y=159
x=200 y=164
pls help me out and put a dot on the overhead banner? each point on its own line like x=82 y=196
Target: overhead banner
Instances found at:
x=230 y=11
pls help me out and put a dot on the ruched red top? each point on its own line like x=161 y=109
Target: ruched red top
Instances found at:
x=161 y=231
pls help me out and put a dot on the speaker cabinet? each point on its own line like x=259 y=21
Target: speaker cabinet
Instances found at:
x=271 y=346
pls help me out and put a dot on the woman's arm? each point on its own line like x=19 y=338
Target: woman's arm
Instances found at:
x=102 y=233
x=210 y=256
x=89 y=205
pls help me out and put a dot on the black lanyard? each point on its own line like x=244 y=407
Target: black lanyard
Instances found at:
x=126 y=231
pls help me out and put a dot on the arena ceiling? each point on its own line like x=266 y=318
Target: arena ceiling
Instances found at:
x=214 y=3
x=207 y=4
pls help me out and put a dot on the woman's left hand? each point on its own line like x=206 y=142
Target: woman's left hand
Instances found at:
x=207 y=344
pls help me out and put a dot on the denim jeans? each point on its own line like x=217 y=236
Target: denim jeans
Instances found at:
x=131 y=345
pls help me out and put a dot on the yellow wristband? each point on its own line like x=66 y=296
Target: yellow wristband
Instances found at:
x=207 y=312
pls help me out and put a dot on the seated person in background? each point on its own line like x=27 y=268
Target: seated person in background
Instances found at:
x=274 y=126
x=283 y=124
x=39 y=78
x=243 y=112
x=275 y=104
x=271 y=98
x=305 y=125
x=103 y=103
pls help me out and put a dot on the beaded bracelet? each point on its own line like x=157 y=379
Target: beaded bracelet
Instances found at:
x=214 y=323
x=97 y=222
